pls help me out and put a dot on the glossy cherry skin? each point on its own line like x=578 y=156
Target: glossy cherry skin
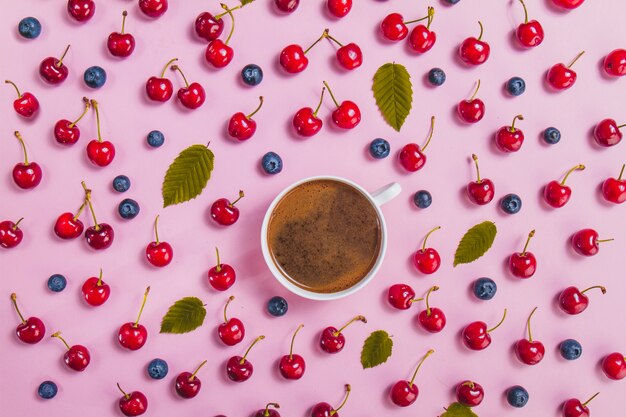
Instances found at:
x=231 y=332
x=26 y=105
x=614 y=366
x=292 y=367
x=132 y=336
x=509 y=139
x=572 y=301
x=192 y=96
x=530 y=34
x=560 y=77
x=614 y=190
x=401 y=296
x=65 y=133
x=100 y=153
x=224 y=278
x=306 y=123
x=100 y=238
x=422 y=39
x=427 y=261
x=470 y=393
x=568 y=4
x=523 y=265
x=339 y=8
x=239 y=369
x=482 y=192
x=474 y=52
x=331 y=341
x=159 y=89
x=347 y=115
x=585 y=242
x=10 y=234
x=121 y=44
x=27 y=176
x=186 y=386
x=607 y=133
x=153 y=8
x=615 y=63
x=393 y=27
x=77 y=358
x=350 y=56
x=224 y=213
x=411 y=157
x=287 y=6
x=67 y=228
x=293 y=59
x=433 y=322
x=556 y=194
x=81 y=10
x=52 y=72
x=94 y=294
x=32 y=331
x=219 y=54
x=471 y=111
x=574 y=408
x=475 y=336
x=208 y=27
x=530 y=353
x=240 y=127
x=404 y=393
x=133 y=404
x=159 y=254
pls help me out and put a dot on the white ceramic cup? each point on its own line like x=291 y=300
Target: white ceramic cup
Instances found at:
x=376 y=198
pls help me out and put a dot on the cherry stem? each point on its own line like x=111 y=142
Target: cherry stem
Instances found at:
x=19 y=137
x=124 y=14
x=58 y=336
x=257 y=109
x=357 y=318
x=499 y=323
x=177 y=68
x=85 y=110
x=241 y=195
x=266 y=413
x=604 y=240
x=576 y=168
x=480 y=35
x=320 y=102
x=99 y=283
x=334 y=40
x=600 y=287
x=219 y=16
x=431 y=16
x=143 y=304
x=530 y=236
x=475 y=91
x=19 y=95
x=254 y=342
x=430 y=352
x=589 y=400
x=167 y=66
x=469 y=384
x=126 y=396
x=156 y=229
x=430 y=133
x=345 y=399
x=575 y=59
x=60 y=63
x=324 y=35
x=621 y=126
x=218 y=267
x=530 y=335
x=94 y=104
x=17 y=223
x=475 y=158
x=231 y=298
x=331 y=93
x=14 y=300
x=525 y=11
x=408 y=22
x=232 y=19
x=88 y=201
x=80 y=210
x=621 y=173
x=193 y=376
x=293 y=338
x=433 y=288
x=427 y=235
x=515 y=119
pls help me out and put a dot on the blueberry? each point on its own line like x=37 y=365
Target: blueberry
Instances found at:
x=517 y=396
x=552 y=135
x=47 y=390
x=453 y=1
x=95 y=77
x=157 y=369
x=379 y=148
x=422 y=199
x=277 y=306
x=57 y=282
x=121 y=183
x=252 y=74
x=511 y=203
x=155 y=138
x=485 y=288
x=29 y=27
x=570 y=349
x=272 y=163
x=516 y=86
x=436 y=76
x=128 y=208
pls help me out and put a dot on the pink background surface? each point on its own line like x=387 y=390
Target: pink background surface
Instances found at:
x=596 y=27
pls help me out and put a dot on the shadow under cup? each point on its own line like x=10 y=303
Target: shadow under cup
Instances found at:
x=324 y=236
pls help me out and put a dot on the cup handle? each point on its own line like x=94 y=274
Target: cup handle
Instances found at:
x=387 y=193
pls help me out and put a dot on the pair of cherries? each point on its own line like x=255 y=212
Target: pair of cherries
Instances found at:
x=402 y=297
x=210 y=27
x=422 y=39
x=83 y=10
x=160 y=89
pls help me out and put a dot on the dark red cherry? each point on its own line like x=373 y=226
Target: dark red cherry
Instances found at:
x=472 y=110
x=306 y=122
x=432 y=319
x=68 y=133
x=121 y=44
x=326 y=410
x=231 y=331
x=209 y=27
x=331 y=338
x=242 y=127
x=482 y=190
x=187 y=384
x=95 y=291
x=26 y=175
x=470 y=393
x=401 y=296
x=192 y=95
x=159 y=88
x=153 y=8
x=523 y=264
x=221 y=276
x=476 y=335
x=77 y=357
x=404 y=393
x=412 y=157
x=30 y=330
x=132 y=335
x=557 y=194
x=100 y=152
x=292 y=366
x=26 y=104
x=132 y=404
x=615 y=63
x=10 y=234
x=473 y=51
x=53 y=70
x=81 y=10
x=159 y=253
x=238 y=368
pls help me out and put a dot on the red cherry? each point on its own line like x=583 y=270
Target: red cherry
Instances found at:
x=327 y=410
x=30 y=330
x=615 y=63
x=530 y=351
x=331 y=338
x=412 y=157
x=153 y=8
x=607 y=133
x=614 y=366
x=52 y=70
x=209 y=27
x=573 y=407
x=568 y=4
x=287 y=6
x=292 y=366
x=482 y=190
x=81 y=10
x=614 y=190
x=231 y=331
x=267 y=412
x=339 y=8
x=472 y=110
x=99 y=152
x=160 y=88
x=404 y=393
x=76 y=357
x=529 y=33
x=242 y=127
x=100 y=235
x=66 y=132
x=121 y=44
x=476 y=336
x=219 y=54
x=293 y=58
x=473 y=51
x=96 y=291
x=432 y=319
x=401 y=296
x=68 y=226
x=159 y=253
x=523 y=264
x=238 y=368
x=557 y=194
x=188 y=384
x=26 y=104
x=470 y=393
x=133 y=336
x=422 y=39
x=348 y=56
x=221 y=276
x=508 y=138
x=347 y=115
x=26 y=175
x=306 y=122
x=427 y=260
x=192 y=95
x=132 y=404
x=562 y=77
x=585 y=242
x=572 y=301
x=10 y=234
x=393 y=27
x=224 y=212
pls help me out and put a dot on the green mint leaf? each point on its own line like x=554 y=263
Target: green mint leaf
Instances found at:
x=183 y=316
x=376 y=349
x=458 y=410
x=393 y=93
x=187 y=175
x=475 y=243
